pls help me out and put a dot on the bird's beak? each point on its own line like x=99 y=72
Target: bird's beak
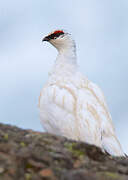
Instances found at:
x=45 y=39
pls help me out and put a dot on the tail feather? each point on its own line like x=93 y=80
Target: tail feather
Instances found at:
x=112 y=146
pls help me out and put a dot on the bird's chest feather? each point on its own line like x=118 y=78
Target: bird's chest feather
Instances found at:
x=57 y=108
x=64 y=110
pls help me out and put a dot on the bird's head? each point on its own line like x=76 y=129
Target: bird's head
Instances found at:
x=60 y=39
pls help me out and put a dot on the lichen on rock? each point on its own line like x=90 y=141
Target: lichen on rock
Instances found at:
x=29 y=155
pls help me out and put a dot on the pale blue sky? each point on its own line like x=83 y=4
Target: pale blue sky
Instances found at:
x=100 y=29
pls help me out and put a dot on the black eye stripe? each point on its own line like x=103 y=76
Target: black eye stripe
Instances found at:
x=54 y=35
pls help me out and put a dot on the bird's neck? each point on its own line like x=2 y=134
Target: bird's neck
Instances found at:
x=66 y=62
x=66 y=57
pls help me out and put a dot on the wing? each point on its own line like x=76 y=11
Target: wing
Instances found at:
x=80 y=114
x=61 y=111
x=109 y=140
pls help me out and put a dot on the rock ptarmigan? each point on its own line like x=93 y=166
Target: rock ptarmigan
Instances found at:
x=71 y=105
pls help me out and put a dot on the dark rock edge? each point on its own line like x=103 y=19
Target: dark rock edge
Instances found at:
x=30 y=155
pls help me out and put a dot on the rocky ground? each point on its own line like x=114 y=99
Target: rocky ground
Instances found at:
x=29 y=155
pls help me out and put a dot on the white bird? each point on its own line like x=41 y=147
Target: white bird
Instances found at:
x=71 y=105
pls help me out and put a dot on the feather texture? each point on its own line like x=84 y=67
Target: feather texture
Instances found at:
x=74 y=107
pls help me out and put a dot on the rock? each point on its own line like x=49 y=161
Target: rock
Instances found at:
x=29 y=155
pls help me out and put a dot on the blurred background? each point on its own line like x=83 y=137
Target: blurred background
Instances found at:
x=100 y=29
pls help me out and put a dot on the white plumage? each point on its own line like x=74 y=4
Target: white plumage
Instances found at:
x=71 y=105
